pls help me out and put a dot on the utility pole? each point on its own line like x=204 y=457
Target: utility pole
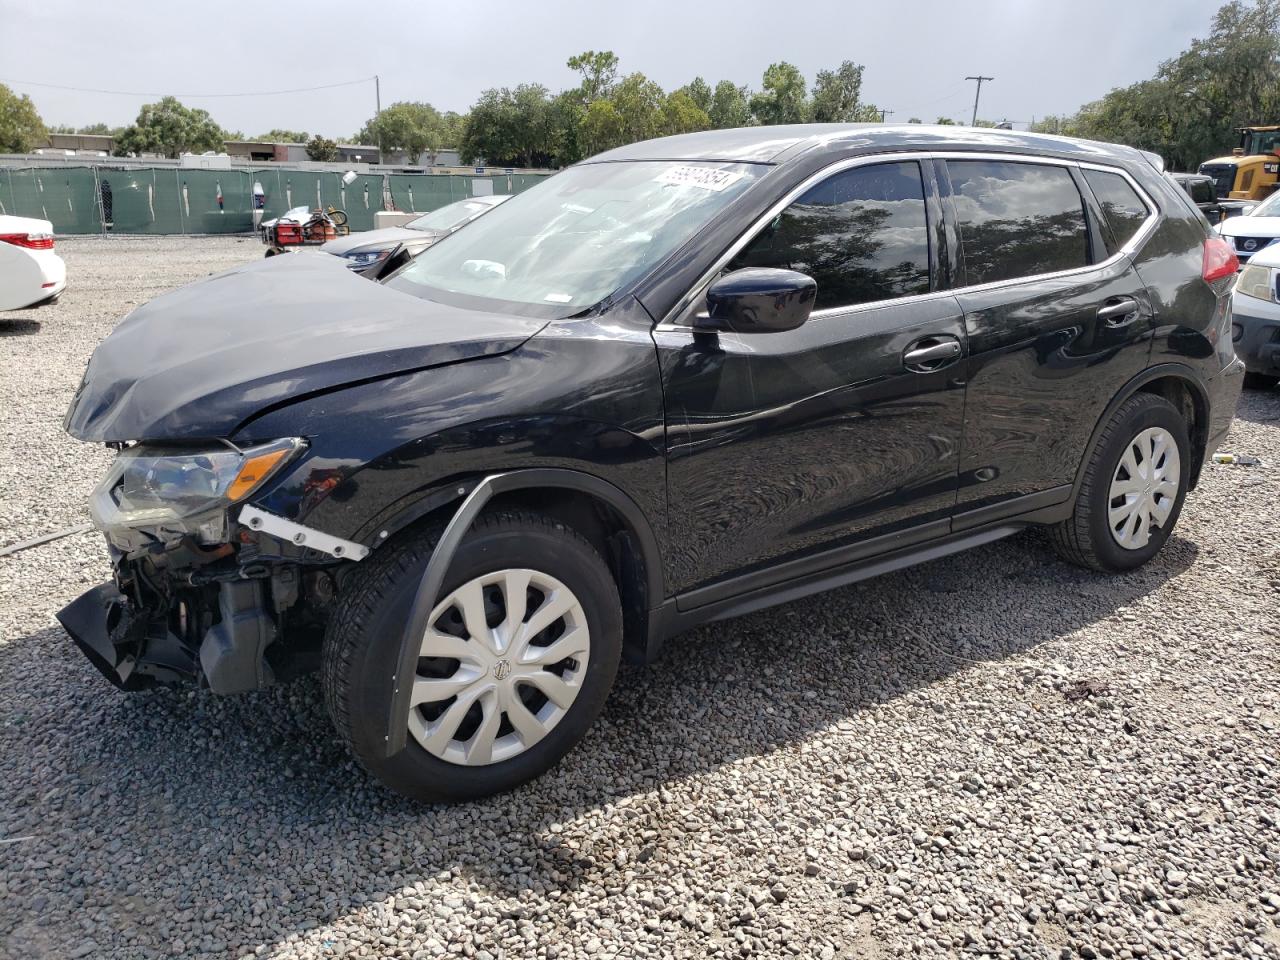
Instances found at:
x=884 y=113
x=377 y=94
x=977 y=94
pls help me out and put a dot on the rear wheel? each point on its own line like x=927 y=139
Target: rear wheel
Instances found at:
x=1133 y=488
x=1260 y=381
x=516 y=664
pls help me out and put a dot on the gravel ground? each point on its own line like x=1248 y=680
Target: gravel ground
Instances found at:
x=995 y=754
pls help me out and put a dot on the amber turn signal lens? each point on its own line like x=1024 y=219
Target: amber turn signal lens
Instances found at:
x=253 y=472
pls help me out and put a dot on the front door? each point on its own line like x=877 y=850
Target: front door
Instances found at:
x=784 y=445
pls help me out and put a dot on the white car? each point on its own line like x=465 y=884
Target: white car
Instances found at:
x=364 y=250
x=1255 y=319
x=31 y=274
x=1255 y=230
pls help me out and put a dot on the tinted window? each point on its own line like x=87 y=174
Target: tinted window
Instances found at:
x=862 y=234
x=1122 y=208
x=1202 y=191
x=1017 y=219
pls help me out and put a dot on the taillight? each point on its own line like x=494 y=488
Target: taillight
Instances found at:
x=1219 y=260
x=32 y=241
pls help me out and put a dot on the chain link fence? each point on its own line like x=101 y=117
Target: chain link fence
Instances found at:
x=176 y=200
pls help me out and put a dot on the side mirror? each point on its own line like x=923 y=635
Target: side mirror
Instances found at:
x=759 y=300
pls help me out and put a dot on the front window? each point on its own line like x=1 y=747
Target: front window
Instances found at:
x=576 y=238
x=862 y=234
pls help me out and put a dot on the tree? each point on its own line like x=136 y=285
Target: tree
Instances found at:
x=945 y=122
x=286 y=136
x=21 y=129
x=836 y=92
x=567 y=116
x=915 y=120
x=639 y=102
x=322 y=148
x=453 y=124
x=681 y=114
x=414 y=128
x=782 y=99
x=699 y=91
x=1189 y=110
x=170 y=129
x=512 y=127
x=599 y=71
x=601 y=127
x=730 y=106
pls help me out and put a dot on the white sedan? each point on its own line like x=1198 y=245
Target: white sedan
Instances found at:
x=31 y=274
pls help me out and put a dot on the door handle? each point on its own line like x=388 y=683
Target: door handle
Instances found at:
x=931 y=353
x=1119 y=312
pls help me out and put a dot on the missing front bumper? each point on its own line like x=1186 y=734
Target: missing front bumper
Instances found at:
x=136 y=649
x=102 y=626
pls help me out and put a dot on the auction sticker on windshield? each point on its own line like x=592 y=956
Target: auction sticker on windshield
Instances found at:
x=709 y=178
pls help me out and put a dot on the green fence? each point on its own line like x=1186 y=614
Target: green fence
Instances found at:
x=177 y=200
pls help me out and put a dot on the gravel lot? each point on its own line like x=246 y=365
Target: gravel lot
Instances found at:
x=995 y=754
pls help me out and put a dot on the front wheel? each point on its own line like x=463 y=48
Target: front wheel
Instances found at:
x=517 y=662
x=1133 y=488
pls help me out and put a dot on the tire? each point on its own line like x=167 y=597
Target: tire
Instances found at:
x=1260 y=381
x=363 y=638
x=1086 y=538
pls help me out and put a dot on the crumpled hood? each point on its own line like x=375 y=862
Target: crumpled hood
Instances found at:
x=380 y=239
x=199 y=361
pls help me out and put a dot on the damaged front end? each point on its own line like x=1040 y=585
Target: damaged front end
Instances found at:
x=207 y=590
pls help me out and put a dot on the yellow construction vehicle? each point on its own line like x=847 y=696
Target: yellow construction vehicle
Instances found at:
x=1253 y=169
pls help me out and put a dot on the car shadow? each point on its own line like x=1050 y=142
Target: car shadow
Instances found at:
x=246 y=789
x=18 y=328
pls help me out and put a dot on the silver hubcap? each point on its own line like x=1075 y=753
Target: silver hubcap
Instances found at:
x=1144 y=487
x=502 y=661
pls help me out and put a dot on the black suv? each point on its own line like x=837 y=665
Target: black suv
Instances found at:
x=679 y=382
x=1201 y=190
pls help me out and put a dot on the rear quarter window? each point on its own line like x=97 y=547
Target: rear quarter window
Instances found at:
x=1122 y=209
x=1017 y=219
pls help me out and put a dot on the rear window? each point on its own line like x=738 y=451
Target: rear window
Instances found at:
x=1122 y=208
x=1017 y=219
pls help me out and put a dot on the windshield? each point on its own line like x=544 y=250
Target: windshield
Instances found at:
x=1269 y=207
x=1259 y=142
x=576 y=238
x=449 y=216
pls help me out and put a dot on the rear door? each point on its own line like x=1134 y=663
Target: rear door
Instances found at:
x=1058 y=321
x=783 y=446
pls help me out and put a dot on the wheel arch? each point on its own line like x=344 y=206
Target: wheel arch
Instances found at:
x=599 y=510
x=1179 y=385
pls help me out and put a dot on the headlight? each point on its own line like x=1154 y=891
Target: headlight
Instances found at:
x=179 y=489
x=363 y=258
x=1257 y=281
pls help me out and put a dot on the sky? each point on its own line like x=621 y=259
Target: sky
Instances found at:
x=1046 y=56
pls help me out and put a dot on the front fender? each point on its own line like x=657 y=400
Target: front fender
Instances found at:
x=383 y=453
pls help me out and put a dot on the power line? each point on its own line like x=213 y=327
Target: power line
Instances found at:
x=188 y=96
